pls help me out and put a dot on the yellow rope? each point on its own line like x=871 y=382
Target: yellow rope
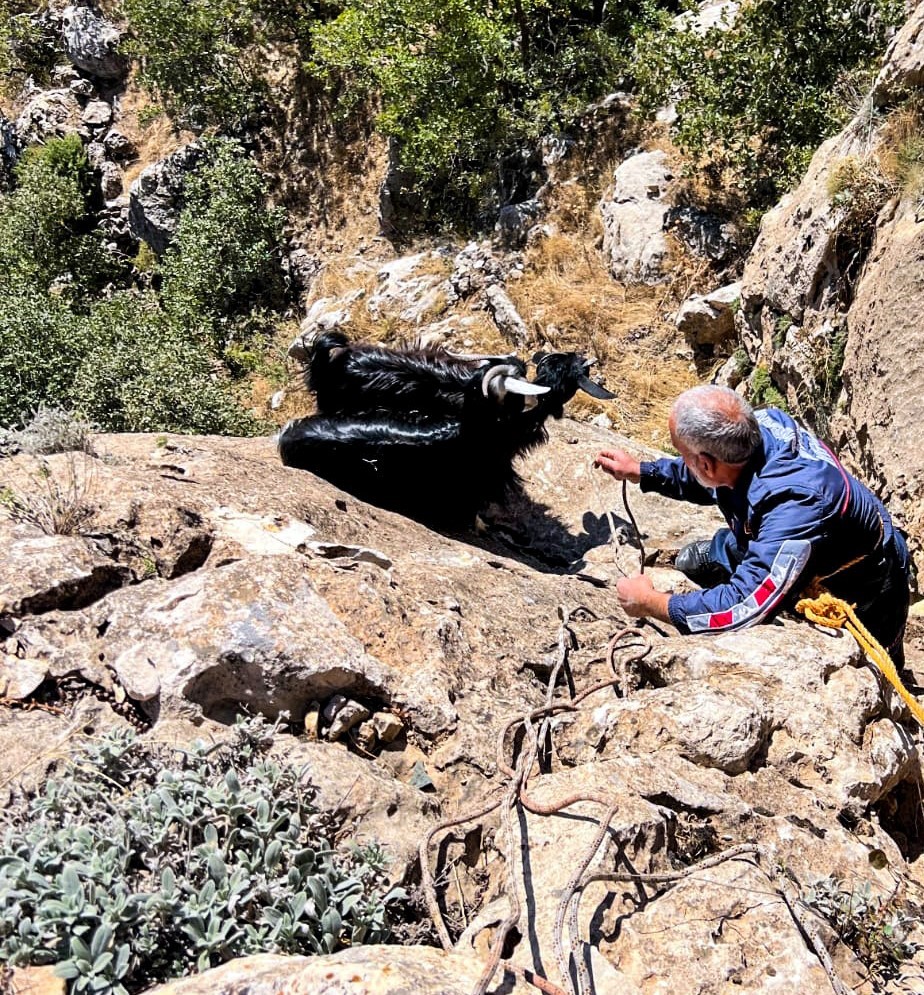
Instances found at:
x=823 y=608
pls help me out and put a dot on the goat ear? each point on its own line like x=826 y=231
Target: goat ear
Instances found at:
x=537 y=356
x=594 y=389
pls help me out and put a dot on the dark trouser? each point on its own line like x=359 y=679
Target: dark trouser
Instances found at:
x=877 y=585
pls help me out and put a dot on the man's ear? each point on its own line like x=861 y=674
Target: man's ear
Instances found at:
x=710 y=463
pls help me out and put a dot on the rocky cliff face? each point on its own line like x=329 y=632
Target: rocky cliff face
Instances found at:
x=208 y=578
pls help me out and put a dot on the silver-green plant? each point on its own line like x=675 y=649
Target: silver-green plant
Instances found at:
x=138 y=863
x=876 y=929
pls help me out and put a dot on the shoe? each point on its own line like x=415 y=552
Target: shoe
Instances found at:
x=696 y=562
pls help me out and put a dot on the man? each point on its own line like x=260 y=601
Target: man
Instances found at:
x=794 y=515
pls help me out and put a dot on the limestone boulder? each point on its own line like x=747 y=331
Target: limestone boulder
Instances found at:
x=92 y=43
x=156 y=197
x=48 y=114
x=369 y=970
x=634 y=215
x=709 y=319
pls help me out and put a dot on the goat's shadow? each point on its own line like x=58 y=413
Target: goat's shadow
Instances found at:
x=525 y=530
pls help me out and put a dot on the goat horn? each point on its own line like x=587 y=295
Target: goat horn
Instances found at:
x=517 y=386
x=491 y=375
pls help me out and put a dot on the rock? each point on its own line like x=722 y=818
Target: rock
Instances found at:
x=710 y=15
x=343 y=714
x=119 y=146
x=406 y=292
x=53 y=572
x=709 y=319
x=110 y=180
x=704 y=234
x=92 y=43
x=387 y=726
x=366 y=796
x=420 y=779
x=9 y=150
x=18 y=677
x=634 y=215
x=506 y=317
x=475 y=268
x=361 y=970
x=903 y=65
x=48 y=114
x=515 y=221
x=36 y=981
x=97 y=114
x=156 y=197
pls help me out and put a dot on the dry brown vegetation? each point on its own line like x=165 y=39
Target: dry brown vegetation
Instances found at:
x=153 y=135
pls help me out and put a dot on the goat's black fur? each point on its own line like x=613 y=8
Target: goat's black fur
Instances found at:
x=412 y=430
x=415 y=384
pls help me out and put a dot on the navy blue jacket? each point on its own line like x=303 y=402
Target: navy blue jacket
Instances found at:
x=797 y=515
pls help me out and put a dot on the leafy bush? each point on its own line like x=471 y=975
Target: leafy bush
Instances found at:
x=27 y=45
x=137 y=864
x=461 y=85
x=144 y=372
x=763 y=391
x=224 y=258
x=45 y=223
x=197 y=57
x=759 y=98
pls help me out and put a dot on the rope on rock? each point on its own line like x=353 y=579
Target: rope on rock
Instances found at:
x=823 y=608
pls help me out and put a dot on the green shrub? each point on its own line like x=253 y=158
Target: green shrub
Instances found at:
x=761 y=97
x=198 y=57
x=146 y=373
x=45 y=223
x=137 y=863
x=42 y=343
x=876 y=929
x=27 y=46
x=461 y=85
x=224 y=258
x=763 y=391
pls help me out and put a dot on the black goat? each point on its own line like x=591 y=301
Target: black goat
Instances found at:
x=419 y=385
x=434 y=439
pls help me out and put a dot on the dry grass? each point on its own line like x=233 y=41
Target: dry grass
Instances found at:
x=153 y=139
x=570 y=301
x=57 y=497
x=900 y=150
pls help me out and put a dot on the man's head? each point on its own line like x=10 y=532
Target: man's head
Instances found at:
x=716 y=433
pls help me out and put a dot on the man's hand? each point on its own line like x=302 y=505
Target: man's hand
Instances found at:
x=619 y=464
x=639 y=599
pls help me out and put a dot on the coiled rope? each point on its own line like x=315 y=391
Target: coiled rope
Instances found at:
x=823 y=608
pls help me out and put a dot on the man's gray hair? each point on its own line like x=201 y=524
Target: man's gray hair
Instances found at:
x=717 y=421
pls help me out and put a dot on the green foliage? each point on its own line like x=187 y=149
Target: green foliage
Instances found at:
x=224 y=258
x=27 y=45
x=876 y=929
x=763 y=391
x=138 y=864
x=462 y=84
x=198 y=57
x=44 y=223
x=145 y=373
x=131 y=361
x=759 y=98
